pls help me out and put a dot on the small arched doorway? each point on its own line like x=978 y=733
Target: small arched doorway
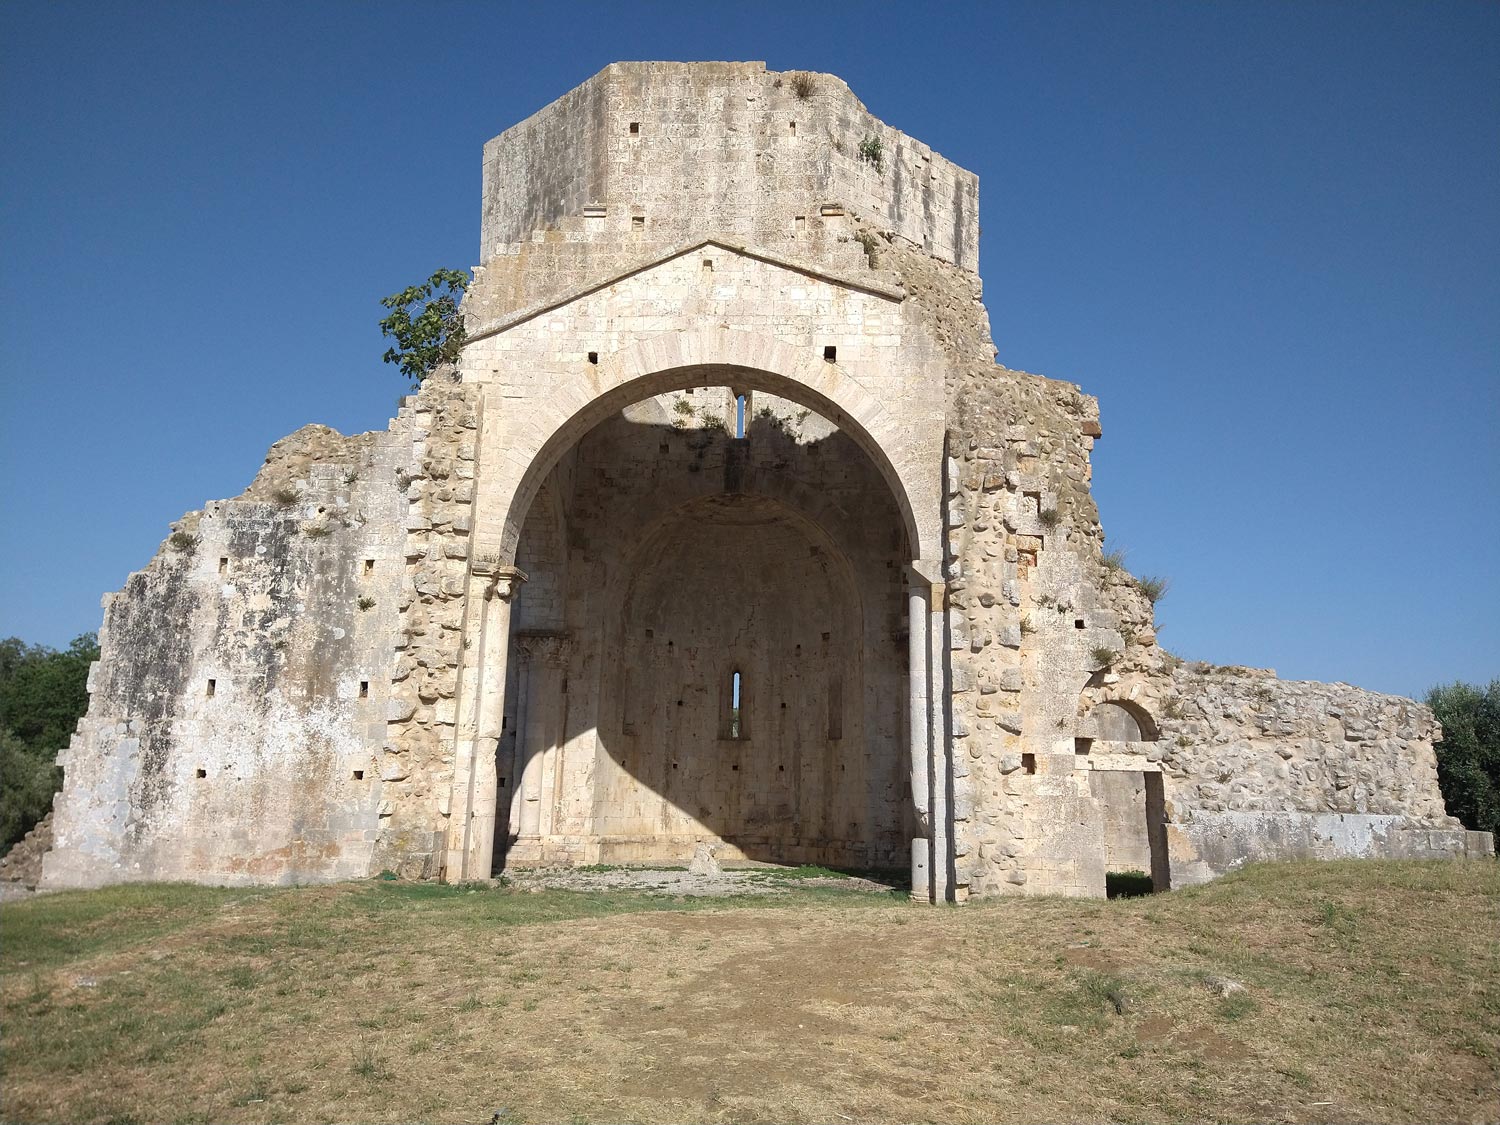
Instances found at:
x=1128 y=787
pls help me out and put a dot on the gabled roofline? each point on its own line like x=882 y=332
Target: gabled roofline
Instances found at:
x=529 y=312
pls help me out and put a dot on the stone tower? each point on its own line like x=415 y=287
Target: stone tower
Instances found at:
x=726 y=529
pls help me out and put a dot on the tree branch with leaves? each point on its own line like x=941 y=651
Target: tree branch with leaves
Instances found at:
x=426 y=323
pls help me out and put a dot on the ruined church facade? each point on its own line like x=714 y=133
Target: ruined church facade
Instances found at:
x=726 y=529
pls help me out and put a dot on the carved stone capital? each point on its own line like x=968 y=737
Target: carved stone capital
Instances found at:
x=497 y=578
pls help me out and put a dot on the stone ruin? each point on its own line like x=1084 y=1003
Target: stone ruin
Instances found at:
x=727 y=530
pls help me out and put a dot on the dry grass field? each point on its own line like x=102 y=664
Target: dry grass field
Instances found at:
x=1371 y=993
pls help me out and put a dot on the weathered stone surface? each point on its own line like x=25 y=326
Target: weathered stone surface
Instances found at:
x=570 y=607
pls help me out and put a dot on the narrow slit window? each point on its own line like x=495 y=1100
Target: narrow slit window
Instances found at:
x=369 y=567
x=224 y=564
x=213 y=685
x=739 y=422
x=364 y=689
x=799 y=224
x=791 y=127
x=735 y=684
x=1028 y=763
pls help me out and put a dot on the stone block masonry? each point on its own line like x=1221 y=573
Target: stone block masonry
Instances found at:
x=726 y=536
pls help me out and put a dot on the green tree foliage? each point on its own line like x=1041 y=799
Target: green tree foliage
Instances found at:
x=43 y=694
x=426 y=324
x=1468 y=757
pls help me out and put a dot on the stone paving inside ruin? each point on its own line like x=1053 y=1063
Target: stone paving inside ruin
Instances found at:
x=764 y=879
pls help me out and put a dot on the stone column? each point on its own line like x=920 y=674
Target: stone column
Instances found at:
x=546 y=657
x=528 y=771
x=918 y=730
x=927 y=611
x=481 y=702
x=494 y=654
x=937 y=695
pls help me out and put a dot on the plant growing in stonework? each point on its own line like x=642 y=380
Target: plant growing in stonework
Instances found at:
x=872 y=152
x=1103 y=656
x=182 y=541
x=802 y=84
x=426 y=323
x=1153 y=587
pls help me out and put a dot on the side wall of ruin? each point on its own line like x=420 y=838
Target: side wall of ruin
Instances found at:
x=238 y=708
x=1043 y=627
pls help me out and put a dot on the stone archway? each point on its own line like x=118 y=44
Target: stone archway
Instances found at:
x=508 y=486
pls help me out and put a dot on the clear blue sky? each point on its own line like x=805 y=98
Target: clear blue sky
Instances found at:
x=1266 y=235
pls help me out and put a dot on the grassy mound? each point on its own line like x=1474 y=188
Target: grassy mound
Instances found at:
x=1288 y=992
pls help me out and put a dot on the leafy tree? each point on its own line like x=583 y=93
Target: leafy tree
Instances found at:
x=27 y=784
x=1468 y=757
x=426 y=323
x=43 y=694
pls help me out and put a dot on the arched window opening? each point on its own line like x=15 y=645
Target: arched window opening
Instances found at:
x=734 y=692
x=741 y=406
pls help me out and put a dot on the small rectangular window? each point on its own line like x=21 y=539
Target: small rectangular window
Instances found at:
x=638 y=222
x=831 y=353
x=359 y=775
x=211 y=688
x=364 y=689
x=593 y=357
x=1082 y=745
x=635 y=128
x=223 y=564
x=369 y=567
x=799 y=224
x=733 y=708
x=1028 y=763
x=202 y=773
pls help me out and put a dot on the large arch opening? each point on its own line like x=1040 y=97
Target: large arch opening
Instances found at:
x=711 y=641
x=839 y=401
